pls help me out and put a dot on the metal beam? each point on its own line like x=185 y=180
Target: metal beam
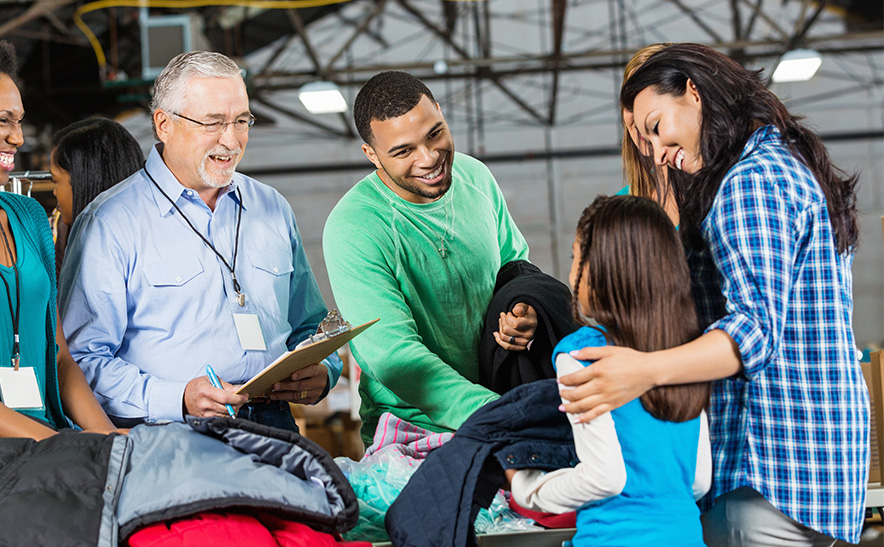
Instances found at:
x=756 y=9
x=856 y=42
x=298 y=23
x=512 y=157
x=558 y=31
x=304 y=119
x=377 y=37
x=460 y=51
x=378 y=9
x=275 y=55
x=802 y=31
x=449 y=13
x=773 y=24
x=37 y=10
x=696 y=19
x=736 y=20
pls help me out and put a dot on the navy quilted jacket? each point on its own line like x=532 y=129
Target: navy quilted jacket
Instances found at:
x=523 y=429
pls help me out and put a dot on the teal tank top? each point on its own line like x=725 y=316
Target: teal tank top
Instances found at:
x=34 y=290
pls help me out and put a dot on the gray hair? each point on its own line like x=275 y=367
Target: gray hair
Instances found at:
x=170 y=86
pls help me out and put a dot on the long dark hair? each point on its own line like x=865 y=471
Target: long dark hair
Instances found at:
x=735 y=102
x=640 y=290
x=98 y=153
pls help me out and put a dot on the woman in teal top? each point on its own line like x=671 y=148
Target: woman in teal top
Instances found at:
x=27 y=304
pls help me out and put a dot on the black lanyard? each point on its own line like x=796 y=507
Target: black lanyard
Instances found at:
x=16 y=352
x=240 y=297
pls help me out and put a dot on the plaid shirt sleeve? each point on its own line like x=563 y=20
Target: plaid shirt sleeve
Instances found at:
x=751 y=235
x=794 y=425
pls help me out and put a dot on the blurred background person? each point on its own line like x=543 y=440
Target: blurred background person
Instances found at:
x=88 y=157
x=642 y=177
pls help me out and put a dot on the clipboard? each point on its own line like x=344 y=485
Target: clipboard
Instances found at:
x=291 y=361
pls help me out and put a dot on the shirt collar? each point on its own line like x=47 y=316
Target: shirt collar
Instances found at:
x=760 y=135
x=168 y=183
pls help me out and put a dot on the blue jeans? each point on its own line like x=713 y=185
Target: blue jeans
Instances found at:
x=275 y=414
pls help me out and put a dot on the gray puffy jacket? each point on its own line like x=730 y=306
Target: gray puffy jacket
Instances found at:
x=86 y=489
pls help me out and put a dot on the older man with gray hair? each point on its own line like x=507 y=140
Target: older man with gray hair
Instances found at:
x=188 y=263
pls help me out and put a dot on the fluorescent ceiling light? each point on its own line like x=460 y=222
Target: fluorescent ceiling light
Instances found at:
x=322 y=98
x=798 y=65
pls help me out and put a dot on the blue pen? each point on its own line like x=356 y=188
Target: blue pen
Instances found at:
x=217 y=383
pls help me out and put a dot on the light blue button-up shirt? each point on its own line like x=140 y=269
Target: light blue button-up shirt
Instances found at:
x=146 y=304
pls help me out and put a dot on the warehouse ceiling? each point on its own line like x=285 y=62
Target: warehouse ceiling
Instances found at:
x=502 y=63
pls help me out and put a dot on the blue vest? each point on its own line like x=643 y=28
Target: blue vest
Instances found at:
x=657 y=504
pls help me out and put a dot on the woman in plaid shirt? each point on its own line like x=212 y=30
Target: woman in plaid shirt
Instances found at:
x=770 y=227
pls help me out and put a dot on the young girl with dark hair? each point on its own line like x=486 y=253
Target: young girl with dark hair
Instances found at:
x=643 y=465
x=770 y=225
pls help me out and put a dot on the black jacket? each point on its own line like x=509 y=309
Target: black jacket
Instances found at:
x=520 y=281
x=439 y=504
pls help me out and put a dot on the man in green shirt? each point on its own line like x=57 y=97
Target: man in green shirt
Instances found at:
x=418 y=243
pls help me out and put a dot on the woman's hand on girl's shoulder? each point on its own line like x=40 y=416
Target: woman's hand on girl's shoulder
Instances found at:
x=617 y=375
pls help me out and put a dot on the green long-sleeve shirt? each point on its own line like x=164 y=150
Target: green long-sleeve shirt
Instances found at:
x=420 y=361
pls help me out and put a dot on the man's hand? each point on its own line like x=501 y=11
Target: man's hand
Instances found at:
x=516 y=328
x=305 y=386
x=203 y=399
x=617 y=376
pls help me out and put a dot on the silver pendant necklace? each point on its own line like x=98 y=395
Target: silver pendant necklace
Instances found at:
x=443 y=252
x=441 y=248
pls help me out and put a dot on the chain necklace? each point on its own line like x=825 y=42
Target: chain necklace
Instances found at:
x=441 y=248
x=448 y=223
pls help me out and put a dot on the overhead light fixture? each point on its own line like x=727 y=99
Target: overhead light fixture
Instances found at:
x=322 y=98
x=798 y=65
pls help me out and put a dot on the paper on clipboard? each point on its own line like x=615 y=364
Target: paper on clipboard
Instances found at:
x=295 y=360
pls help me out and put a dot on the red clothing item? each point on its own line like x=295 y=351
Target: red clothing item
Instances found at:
x=547 y=520
x=219 y=529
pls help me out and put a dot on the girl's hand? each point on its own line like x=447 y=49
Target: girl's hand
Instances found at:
x=617 y=376
x=510 y=473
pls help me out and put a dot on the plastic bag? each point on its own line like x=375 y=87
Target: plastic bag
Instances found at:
x=379 y=478
x=499 y=518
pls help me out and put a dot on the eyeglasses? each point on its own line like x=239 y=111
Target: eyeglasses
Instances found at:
x=240 y=125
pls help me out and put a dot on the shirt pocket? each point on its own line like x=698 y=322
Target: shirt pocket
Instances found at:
x=271 y=279
x=174 y=282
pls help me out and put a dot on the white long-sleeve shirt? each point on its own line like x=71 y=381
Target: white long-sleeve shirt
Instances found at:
x=601 y=472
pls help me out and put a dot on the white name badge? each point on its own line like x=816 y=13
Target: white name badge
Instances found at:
x=19 y=388
x=251 y=337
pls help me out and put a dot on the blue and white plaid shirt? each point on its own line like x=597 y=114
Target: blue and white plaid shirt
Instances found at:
x=794 y=425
